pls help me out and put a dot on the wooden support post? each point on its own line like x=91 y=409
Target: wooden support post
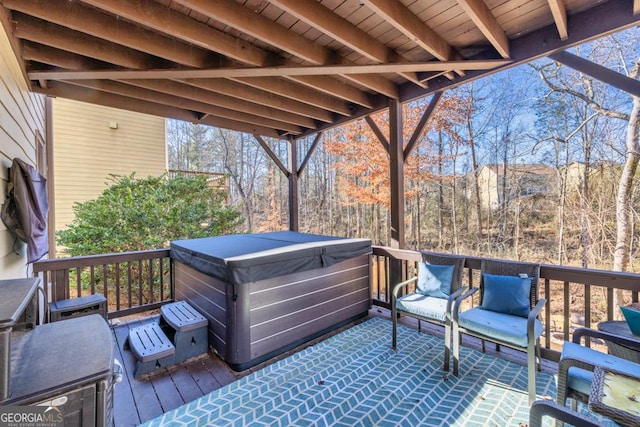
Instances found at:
x=293 y=185
x=396 y=171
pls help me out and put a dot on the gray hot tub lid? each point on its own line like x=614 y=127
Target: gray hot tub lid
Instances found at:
x=243 y=258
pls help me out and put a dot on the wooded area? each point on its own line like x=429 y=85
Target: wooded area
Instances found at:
x=535 y=163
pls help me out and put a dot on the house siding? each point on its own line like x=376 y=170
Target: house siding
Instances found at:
x=22 y=116
x=87 y=150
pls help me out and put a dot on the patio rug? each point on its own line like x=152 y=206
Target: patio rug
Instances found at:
x=355 y=379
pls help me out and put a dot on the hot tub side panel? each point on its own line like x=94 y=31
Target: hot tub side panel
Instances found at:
x=288 y=310
x=208 y=295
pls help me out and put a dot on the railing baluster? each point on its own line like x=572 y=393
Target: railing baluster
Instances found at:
x=565 y=326
x=587 y=309
x=151 y=291
x=140 y=299
x=117 y=273
x=161 y=274
x=547 y=314
x=129 y=283
x=610 y=303
x=92 y=274
x=105 y=282
x=79 y=281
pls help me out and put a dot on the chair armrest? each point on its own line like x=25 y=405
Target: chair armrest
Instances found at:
x=452 y=298
x=617 y=339
x=456 y=303
x=540 y=408
x=533 y=314
x=397 y=287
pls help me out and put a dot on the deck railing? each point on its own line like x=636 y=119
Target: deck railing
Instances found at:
x=582 y=297
x=139 y=281
x=132 y=282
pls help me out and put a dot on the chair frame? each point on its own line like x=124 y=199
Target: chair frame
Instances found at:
x=507 y=268
x=458 y=261
x=540 y=408
x=563 y=366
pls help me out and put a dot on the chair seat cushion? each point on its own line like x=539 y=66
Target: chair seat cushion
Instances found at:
x=424 y=306
x=498 y=326
x=580 y=379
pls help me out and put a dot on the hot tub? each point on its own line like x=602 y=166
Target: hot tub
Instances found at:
x=264 y=294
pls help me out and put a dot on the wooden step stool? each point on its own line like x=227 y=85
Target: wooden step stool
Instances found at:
x=152 y=348
x=189 y=329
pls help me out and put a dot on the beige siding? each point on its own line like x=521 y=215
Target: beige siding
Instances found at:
x=87 y=150
x=21 y=115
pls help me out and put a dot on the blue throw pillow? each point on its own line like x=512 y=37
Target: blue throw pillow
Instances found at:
x=434 y=280
x=507 y=294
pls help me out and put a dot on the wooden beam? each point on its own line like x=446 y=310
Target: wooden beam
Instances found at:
x=480 y=14
x=77 y=93
x=411 y=26
x=312 y=149
x=187 y=103
x=244 y=19
x=636 y=7
x=297 y=92
x=599 y=72
x=48 y=34
x=76 y=17
x=234 y=73
x=260 y=97
x=396 y=170
x=59 y=58
x=559 y=12
x=166 y=20
x=334 y=87
x=378 y=133
x=294 y=211
x=186 y=91
x=422 y=124
x=338 y=28
x=272 y=155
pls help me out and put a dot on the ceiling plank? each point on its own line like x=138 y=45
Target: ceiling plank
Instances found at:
x=48 y=34
x=162 y=18
x=164 y=98
x=481 y=16
x=186 y=91
x=126 y=103
x=559 y=12
x=74 y=16
x=483 y=64
x=323 y=19
x=604 y=74
x=243 y=19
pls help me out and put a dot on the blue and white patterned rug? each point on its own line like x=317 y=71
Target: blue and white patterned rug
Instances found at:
x=355 y=379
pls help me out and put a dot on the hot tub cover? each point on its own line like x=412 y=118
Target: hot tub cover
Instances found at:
x=243 y=258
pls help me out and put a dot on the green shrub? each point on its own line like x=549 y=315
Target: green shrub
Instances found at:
x=138 y=214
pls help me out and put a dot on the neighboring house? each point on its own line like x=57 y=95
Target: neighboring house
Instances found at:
x=22 y=134
x=521 y=180
x=91 y=142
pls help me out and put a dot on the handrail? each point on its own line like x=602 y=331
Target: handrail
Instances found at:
x=575 y=285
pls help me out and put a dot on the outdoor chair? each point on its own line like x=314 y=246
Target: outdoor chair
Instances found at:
x=507 y=314
x=437 y=285
x=577 y=364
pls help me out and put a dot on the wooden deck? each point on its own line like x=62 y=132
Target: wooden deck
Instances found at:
x=139 y=400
